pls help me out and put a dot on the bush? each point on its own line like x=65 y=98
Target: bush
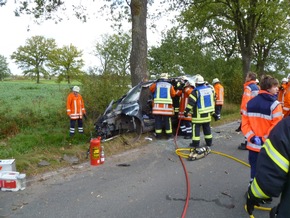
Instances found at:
x=100 y=90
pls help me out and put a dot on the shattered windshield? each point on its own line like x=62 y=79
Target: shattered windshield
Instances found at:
x=133 y=95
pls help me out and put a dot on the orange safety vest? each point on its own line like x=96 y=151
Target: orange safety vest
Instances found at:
x=75 y=106
x=162 y=106
x=219 y=94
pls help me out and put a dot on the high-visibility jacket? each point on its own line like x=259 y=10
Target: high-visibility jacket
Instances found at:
x=176 y=98
x=281 y=93
x=75 y=106
x=273 y=175
x=184 y=94
x=262 y=114
x=219 y=94
x=162 y=98
x=250 y=91
x=286 y=106
x=201 y=104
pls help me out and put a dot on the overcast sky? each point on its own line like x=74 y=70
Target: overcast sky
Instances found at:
x=82 y=35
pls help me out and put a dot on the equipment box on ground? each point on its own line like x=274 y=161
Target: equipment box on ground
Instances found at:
x=7 y=165
x=12 y=181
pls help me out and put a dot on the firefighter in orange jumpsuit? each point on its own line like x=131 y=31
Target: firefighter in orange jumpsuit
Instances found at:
x=162 y=109
x=250 y=91
x=185 y=123
x=75 y=108
x=286 y=105
x=281 y=92
x=262 y=113
x=219 y=97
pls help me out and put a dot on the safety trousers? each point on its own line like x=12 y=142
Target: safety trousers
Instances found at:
x=160 y=121
x=196 y=134
x=72 y=126
x=218 y=109
x=253 y=156
x=186 y=127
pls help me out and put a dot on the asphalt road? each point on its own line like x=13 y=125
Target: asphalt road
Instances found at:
x=149 y=183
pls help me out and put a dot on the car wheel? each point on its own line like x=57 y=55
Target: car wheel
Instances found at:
x=134 y=133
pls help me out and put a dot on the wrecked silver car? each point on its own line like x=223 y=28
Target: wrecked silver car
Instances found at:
x=131 y=113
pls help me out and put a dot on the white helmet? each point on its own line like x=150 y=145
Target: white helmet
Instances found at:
x=215 y=80
x=190 y=82
x=199 y=79
x=284 y=80
x=183 y=78
x=76 y=89
x=164 y=76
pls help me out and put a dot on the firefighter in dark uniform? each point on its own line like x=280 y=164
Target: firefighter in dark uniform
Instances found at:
x=162 y=108
x=273 y=176
x=201 y=106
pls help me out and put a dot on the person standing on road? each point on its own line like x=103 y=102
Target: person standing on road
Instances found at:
x=162 y=109
x=250 y=91
x=263 y=112
x=273 y=172
x=75 y=108
x=185 y=123
x=219 y=97
x=201 y=106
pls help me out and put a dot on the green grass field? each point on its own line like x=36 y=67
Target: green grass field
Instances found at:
x=35 y=127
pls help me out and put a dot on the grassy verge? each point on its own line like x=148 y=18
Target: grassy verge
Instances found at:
x=34 y=127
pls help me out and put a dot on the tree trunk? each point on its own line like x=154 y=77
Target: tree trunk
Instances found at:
x=37 y=77
x=246 y=61
x=138 y=56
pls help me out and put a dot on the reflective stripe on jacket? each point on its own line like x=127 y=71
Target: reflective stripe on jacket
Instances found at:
x=183 y=102
x=162 y=94
x=250 y=91
x=219 y=94
x=262 y=114
x=75 y=106
x=273 y=177
x=201 y=104
x=205 y=99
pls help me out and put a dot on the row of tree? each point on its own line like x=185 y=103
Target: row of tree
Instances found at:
x=41 y=56
x=216 y=38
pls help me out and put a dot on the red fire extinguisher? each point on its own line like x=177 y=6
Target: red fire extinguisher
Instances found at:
x=95 y=151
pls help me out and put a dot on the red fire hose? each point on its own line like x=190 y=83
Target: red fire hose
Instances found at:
x=186 y=176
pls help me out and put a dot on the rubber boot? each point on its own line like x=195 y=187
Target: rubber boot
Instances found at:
x=208 y=142
x=194 y=144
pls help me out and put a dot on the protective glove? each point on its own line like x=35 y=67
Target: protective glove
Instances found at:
x=251 y=205
x=85 y=116
x=186 y=112
x=256 y=140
